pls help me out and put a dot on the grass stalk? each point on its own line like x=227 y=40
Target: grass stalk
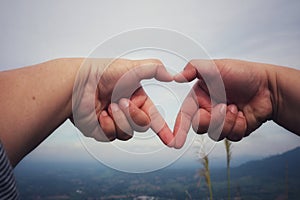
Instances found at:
x=206 y=175
x=228 y=158
x=205 y=171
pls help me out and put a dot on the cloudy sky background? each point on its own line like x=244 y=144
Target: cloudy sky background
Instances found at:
x=264 y=31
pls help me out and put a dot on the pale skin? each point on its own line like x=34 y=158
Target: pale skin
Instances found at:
x=116 y=82
x=35 y=100
x=255 y=93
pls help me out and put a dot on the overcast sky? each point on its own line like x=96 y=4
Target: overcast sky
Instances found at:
x=268 y=31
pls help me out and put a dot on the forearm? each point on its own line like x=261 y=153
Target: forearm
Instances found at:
x=285 y=86
x=34 y=101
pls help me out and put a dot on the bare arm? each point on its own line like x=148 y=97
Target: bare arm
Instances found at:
x=285 y=87
x=34 y=101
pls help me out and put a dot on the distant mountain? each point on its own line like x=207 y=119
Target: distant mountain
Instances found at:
x=275 y=177
x=272 y=166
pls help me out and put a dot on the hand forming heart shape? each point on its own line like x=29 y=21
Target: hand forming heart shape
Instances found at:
x=113 y=115
x=96 y=82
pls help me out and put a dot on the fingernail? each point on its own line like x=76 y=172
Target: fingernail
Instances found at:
x=240 y=114
x=233 y=109
x=114 y=107
x=223 y=109
x=124 y=103
x=104 y=113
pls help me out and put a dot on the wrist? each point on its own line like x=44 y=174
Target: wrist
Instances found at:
x=284 y=82
x=69 y=67
x=274 y=89
x=85 y=84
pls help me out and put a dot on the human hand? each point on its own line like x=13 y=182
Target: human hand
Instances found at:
x=248 y=99
x=102 y=108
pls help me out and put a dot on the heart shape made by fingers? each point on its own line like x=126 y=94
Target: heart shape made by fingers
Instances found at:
x=170 y=100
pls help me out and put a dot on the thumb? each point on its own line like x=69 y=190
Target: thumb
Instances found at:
x=129 y=82
x=209 y=72
x=151 y=68
x=197 y=69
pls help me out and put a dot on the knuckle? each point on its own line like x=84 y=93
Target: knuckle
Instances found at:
x=155 y=61
x=154 y=114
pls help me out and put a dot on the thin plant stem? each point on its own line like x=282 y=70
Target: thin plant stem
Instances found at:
x=228 y=158
x=189 y=196
x=205 y=171
x=207 y=176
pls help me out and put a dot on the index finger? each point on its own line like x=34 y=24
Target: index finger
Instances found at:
x=197 y=98
x=184 y=119
x=157 y=122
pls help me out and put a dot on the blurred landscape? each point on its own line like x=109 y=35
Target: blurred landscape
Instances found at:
x=275 y=177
